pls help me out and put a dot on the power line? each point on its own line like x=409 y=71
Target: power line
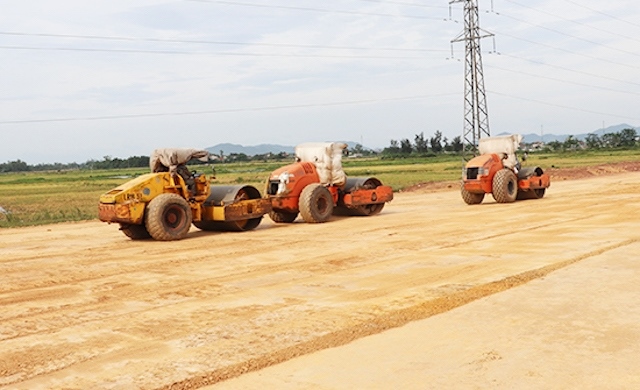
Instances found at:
x=138 y=51
x=571 y=36
x=222 y=111
x=271 y=6
x=571 y=21
x=569 y=51
x=568 y=69
x=564 y=81
x=134 y=39
x=563 y=106
x=405 y=3
x=191 y=41
x=601 y=13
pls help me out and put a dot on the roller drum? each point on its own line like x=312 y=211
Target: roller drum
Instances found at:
x=527 y=172
x=226 y=195
x=356 y=183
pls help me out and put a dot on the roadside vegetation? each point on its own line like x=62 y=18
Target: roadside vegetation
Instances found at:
x=51 y=193
x=43 y=197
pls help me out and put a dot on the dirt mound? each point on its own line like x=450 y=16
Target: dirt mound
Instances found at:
x=597 y=170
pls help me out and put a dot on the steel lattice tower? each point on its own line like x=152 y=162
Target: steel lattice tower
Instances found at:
x=476 y=117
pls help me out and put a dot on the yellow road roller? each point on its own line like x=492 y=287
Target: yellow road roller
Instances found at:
x=164 y=203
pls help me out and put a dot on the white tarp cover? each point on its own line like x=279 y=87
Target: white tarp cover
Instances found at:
x=168 y=159
x=327 y=157
x=506 y=144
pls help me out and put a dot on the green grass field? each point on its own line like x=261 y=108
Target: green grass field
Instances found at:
x=38 y=198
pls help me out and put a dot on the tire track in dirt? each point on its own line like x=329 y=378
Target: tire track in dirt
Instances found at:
x=204 y=308
x=155 y=259
x=97 y=352
x=514 y=232
x=85 y=312
x=382 y=323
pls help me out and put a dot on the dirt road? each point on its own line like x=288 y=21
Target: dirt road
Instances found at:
x=576 y=328
x=84 y=307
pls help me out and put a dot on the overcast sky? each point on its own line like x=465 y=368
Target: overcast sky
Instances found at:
x=81 y=80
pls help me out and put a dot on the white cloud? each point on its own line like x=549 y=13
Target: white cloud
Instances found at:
x=310 y=71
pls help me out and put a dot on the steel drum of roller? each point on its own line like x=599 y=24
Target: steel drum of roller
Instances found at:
x=227 y=195
x=357 y=183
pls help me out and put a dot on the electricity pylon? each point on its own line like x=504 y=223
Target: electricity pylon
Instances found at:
x=476 y=116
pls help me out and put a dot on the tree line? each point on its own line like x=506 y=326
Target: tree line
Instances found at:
x=624 y=139
x=132 y=162
x=107 y=163
x=421 y=146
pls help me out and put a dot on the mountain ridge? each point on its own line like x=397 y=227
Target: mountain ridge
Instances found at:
x=532 y=137
x=229 y=148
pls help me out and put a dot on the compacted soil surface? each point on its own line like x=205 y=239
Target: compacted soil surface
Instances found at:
x=429 y=293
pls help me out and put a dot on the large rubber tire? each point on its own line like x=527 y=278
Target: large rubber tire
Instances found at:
x=505 y=186
x=282 y=216
x=471 y=197
x=135 y=232
x=168 y=217
x=316 y=203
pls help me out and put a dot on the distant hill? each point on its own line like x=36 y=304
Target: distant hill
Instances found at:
x=530 y=138
x=227 y=148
